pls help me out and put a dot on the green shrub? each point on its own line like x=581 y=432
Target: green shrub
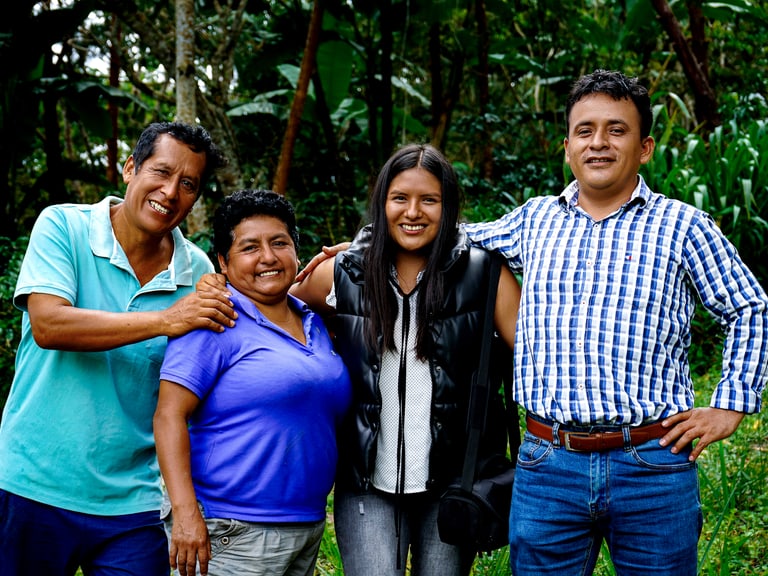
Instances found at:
x=11 y=254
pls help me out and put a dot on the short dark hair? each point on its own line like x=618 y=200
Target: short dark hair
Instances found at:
x=243 y=204
x=617 y=86
x=194 y=136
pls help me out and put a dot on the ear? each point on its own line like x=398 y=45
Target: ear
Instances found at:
x=129 y=169
x=567 y=156
x=649 y=145
x=222 y=264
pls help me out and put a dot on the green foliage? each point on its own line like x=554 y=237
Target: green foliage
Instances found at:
x=725 y=174
x=732 y=476
x=11 y=254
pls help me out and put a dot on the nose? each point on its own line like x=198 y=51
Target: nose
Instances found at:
x=171 y=187
x=599 y=139
x=413 y=209
x=267 y=254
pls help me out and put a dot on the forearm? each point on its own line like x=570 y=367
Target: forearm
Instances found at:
x=83 y=330
x=173 y=454
x=56 y=324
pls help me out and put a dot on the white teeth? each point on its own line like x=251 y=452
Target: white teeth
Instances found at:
x=411 y=228
x=270 y=273
x=159 y=208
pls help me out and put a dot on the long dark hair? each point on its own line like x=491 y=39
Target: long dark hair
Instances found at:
x=380 y=256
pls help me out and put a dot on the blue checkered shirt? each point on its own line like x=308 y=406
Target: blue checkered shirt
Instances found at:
x=605 y=316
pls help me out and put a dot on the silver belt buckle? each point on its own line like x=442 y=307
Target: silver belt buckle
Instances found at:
x=568 y=440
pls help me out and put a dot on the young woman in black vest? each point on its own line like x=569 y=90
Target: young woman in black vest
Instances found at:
x=405 y=301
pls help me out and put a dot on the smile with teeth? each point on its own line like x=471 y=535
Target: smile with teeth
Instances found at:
x=268 y=273
x=160 y=208
x=413 y=227
x=598 y=160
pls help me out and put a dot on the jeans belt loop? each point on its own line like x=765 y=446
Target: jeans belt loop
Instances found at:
x=556 y=435
x=627 y=437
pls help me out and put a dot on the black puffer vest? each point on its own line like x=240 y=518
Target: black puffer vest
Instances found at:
x=455 y=338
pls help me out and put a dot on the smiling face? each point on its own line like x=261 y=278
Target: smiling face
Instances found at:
x=604 y=147
x=261 y=263
x=413 y=209
x=162 y=192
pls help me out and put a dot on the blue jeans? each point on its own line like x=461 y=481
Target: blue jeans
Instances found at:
x=39 y=539
x=642 y=500
x=365 y=531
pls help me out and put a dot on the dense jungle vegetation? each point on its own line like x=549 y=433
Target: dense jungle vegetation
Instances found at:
x=310 y=97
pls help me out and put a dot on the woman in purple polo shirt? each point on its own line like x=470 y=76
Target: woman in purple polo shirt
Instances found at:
x=246 y=419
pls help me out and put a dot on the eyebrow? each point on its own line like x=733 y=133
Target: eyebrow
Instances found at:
x=255 y=239
x=610 y=122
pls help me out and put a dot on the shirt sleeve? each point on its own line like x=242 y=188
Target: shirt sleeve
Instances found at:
x=194 y=361
x=502 y=236
x=49 y=262
x=730 y=292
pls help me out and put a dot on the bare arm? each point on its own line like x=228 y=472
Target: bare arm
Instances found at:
x=708 y=425
x=326 y=253
x=190 y=543
x=507 y=304
x=56 y=324
x=316 y=286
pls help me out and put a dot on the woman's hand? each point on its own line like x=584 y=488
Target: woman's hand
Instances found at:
x=190 y=544
x=328 y=252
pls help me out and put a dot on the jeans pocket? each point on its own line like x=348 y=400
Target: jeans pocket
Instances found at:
x=533 y=451
x=653 y=456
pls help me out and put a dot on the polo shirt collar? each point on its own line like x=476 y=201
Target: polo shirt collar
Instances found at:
x=104 y=244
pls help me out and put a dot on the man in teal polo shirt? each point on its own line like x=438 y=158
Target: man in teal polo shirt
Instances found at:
x=102 y=286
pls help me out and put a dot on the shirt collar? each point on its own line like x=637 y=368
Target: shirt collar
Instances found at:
x=640 y=195
x=104 y=244
x=245 y=304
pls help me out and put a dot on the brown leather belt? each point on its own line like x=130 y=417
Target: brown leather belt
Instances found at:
x=595 y=441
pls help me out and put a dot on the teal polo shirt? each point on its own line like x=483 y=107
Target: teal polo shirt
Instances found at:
x=77 y=428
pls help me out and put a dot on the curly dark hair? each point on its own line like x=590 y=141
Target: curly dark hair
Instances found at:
x=243 y=204
x=617 y=86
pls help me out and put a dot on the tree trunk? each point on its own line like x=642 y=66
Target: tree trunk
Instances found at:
x=308 y=64
x=695 y=69
x=186 y=110
x=186 y=93
x=114 y=82
x=486 y=145
x=387 y=43
x=444 y=99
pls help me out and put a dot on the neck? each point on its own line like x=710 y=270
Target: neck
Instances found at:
x=282 y=315
x=408 y=266
x=148 y=255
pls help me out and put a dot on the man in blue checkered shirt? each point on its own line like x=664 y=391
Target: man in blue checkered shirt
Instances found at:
x=611 y=275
